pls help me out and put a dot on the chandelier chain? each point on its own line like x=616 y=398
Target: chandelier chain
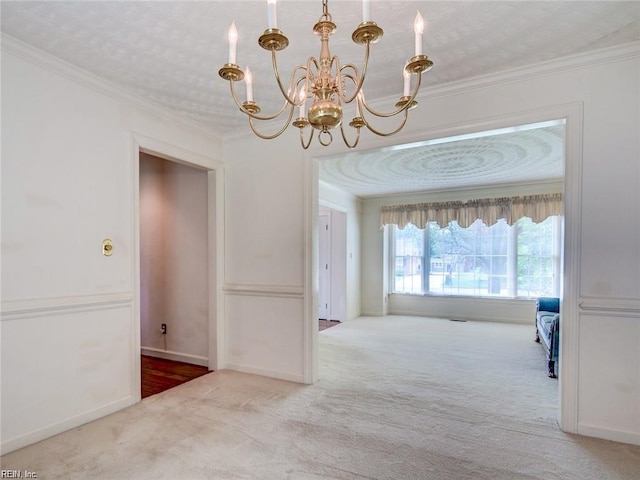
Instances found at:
x=326 y=16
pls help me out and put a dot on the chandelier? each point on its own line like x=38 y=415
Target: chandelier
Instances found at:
x=324 y=82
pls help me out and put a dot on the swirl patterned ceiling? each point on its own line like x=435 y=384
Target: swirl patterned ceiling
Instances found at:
x=528 y=155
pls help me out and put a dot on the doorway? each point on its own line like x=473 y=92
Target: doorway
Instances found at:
x=174 y=272
x=374 y=263
x=332 y=267
x=160 y=374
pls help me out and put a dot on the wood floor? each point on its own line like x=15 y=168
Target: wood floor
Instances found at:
x=159 y=374
x=324 y=324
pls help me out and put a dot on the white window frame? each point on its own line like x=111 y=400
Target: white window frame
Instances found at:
x=512 y=256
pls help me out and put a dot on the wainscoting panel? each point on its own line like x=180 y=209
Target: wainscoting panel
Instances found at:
x=609 y=362
x=63 y=368
x=265 y=334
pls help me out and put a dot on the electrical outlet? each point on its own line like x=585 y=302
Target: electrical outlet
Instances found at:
x=163 y=328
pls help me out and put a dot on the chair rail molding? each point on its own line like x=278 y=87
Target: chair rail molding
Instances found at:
x=610 y=305
x=264 y=290
x=15 y=309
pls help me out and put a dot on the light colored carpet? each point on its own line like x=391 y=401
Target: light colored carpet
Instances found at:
x=399 y=398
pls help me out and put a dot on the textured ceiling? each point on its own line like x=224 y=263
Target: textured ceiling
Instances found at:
x=530 y=154
x=169 y=52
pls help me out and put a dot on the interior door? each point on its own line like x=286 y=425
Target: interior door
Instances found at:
x=323 y=268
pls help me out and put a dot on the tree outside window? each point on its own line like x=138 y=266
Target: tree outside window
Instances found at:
x=499 y=260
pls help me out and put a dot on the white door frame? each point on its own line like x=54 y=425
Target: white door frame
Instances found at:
x=215 y=206
x=337 y=293
x=572 y=113
x=324 y=266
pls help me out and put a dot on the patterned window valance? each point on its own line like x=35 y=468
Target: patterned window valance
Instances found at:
x=489 y=210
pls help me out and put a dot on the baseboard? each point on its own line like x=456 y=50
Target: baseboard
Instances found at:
x=609 y=434
x=68 y=424
x=176 y=356
x=265 y=373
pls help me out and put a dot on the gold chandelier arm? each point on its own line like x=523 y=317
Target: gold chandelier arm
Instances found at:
x=277 y=75
x=405 y=104
x=344 y=138
x=253 y=114
x=278 y=133
x=306 y=145
x=382 y=134
x=305 y=77
x=358 y=79
x=309 y=77
x=336 y=61
x=354 y=80
x=294 y=100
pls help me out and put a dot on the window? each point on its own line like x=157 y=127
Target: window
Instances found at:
x=500 y=260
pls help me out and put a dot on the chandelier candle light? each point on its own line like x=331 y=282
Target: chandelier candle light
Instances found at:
x=324 y=81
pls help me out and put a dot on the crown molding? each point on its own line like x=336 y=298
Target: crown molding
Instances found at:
x=550 y=67
x=582 y=60
x=78 y=75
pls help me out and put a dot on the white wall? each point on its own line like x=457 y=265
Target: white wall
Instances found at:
x=69 y=327
x=465 y=308
x=269 y=288
x=174 y=287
